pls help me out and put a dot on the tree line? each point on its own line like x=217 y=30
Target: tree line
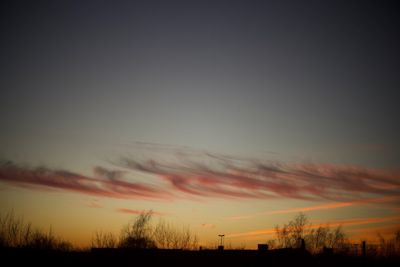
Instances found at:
x=299 y=231
x=316 y=238
x=142 y=233
x=139 y=234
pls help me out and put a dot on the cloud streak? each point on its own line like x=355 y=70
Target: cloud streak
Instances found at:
x=104 y=183
x=207 y=225
x=137 y=212
x=391 y=200
x=188 y=173
x=204 y=174
x=345 y=222
x=94 y=203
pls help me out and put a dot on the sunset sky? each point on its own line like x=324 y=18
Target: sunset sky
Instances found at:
x=226 y=116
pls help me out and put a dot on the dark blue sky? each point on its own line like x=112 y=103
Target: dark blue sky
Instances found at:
x=312 y=80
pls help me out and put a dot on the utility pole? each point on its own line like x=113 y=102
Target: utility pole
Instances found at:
x=364 y=249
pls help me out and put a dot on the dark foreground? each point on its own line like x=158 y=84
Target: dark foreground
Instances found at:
x=205 y=258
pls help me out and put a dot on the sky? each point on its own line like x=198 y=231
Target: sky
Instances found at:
x=226 y=116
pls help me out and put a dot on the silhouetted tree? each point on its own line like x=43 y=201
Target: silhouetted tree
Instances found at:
x=389 y=247
x=325 y=236
x=317 y=239
x=167 y=236
x=142 y=234
x=290 y=235
x=139 y=233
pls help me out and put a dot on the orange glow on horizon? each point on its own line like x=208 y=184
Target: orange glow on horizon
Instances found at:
x=345 y=222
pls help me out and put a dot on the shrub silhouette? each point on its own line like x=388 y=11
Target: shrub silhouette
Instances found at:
x=169 y=237
x=389 y=247
x=104 y=240
x=15 y=232
x=142 y=234
x=139 y=233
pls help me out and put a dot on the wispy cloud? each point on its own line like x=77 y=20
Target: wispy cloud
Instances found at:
x=94 y=203
x=394 y=200
x=386 y=229
x=103 y=184
x=293 y=210
x=267 y=231
x=189 y=173
x=200 y=173
x=361 y=221
x=335 y=223
x=312 y=208
x=137 y=212
x=207 y=225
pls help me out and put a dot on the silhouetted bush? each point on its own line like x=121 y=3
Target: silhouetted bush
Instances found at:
x=139 y=233
x=14 y=232
x=389 y=247
x=142 y=234
x=169 y=237
x=104 y=240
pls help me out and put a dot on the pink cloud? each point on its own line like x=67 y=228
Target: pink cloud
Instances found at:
x=336 y=205
x=361 y=221
x=335 y=223
x=205 y=174
x=100 y=186
x=294 y=210
x=312 y=208
x=393 y=200
x=189 y=173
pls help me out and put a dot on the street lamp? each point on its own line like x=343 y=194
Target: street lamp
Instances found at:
x=221 y=236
